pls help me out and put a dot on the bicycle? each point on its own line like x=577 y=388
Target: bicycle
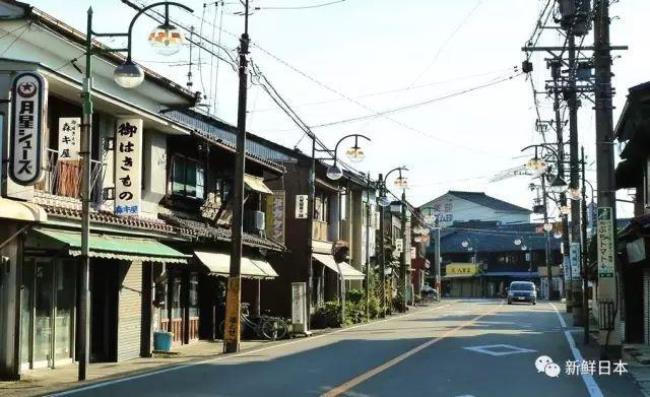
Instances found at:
x=265 y=326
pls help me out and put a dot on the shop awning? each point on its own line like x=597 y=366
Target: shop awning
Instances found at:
x=347 y=271
x=219 y=264
x=21 y=211
x=256 y=183
x=114 y=247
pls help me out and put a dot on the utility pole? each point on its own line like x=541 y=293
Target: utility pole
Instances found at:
x=436 y=262
x=382 y=253
x=608 y=301
x=86 y=153
x=368 y=220
x=547 y=251
x=405 y=251
x=232 y=329
x=585 y=260
x=574 y=174
x=556 y=70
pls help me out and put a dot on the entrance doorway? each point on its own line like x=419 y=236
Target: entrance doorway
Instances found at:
x=103 y=310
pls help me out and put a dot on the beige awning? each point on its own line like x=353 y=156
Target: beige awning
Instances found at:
x=347 y=271
x=21 y=211
x=256 y=183
x=219 y=263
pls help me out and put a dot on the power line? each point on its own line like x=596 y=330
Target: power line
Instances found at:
x=417 y=104
x=300 y=7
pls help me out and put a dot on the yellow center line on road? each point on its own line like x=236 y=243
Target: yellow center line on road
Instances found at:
x=347 y=386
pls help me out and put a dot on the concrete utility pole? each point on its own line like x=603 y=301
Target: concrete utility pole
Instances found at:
x=382 y=254
x=233 y=298
x=573 y=103
x=585 y=259
x=405 y=251
x=368 y=221
x=547 y=233
x=608 y=301
x=556 y=71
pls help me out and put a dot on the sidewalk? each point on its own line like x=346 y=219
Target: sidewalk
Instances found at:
x=47 y=381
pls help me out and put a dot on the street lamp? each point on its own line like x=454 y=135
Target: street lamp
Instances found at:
x=127 y=75
x=354 y=153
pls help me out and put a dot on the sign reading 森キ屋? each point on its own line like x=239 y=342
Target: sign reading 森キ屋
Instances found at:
x=605 y=230
x=28 y=104
x=69 y=138
x=128 y=152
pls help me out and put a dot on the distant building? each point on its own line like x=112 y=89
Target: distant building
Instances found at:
x=458 y=206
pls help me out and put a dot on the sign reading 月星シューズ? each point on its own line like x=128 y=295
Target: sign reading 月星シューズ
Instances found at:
x=28 y=104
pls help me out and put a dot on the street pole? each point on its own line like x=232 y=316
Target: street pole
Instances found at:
x=584 y=256
x=405 y=251
x=574 y=173
x=436 y=263
x=382 y=254
x=311 y=202
x=367 y=286
x=559 y=129
x=233 y=299
x=86 y=154
x=547 y=255
x=608 y=301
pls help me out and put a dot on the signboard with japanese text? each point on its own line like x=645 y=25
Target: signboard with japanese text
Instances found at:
x=461 y=269
x=399 y=245
x=566 y=264
x=576 y=257
x=69 y=138
x=275 y=207
x=302 y=206
x=29 y=108
x=128 y=169
x=605 y=232
x=299 y=307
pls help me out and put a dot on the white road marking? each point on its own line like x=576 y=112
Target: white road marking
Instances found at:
x=235 y=355
x=590 y=383
x=494 y=350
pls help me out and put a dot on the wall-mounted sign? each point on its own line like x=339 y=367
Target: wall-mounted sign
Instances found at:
x=413 y=253
x=302 y=206
x=461 y=269
x=128 y=169
x=69 y=138
x=29 y=107
x=576 y=258
x=275 y=208
x=399 y=245
x=605 y=242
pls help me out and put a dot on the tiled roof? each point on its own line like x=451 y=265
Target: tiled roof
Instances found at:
x=194 y=229
x=488 y=201
x=492 y=240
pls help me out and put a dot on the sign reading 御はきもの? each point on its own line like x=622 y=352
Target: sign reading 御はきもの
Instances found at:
x=28 y=107
x=461 y=269
x=128 y=168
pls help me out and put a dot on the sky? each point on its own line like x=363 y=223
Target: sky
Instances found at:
x=355 y=58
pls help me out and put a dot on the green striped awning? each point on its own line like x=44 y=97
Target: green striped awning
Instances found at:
x=111 y=246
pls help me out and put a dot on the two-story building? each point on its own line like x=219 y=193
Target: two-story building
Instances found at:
x=160 y=209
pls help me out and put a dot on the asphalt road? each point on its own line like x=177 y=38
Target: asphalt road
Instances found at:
x=456 y=348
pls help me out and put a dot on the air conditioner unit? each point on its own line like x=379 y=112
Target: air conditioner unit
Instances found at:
x=255 y=221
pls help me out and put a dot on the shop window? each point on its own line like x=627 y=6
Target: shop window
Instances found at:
x=194 y=295
x=188 y=178
x=176 y=298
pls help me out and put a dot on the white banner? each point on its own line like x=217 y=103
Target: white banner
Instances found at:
x=520 y=170
x=605 y=242
x=128 y=169
x=576 y=258
x=29 y=108
x=69 y=138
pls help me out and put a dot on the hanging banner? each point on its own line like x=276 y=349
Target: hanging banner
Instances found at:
x=69 y=138
x=576 y=260
x=302 y=201
x=275 y=206
x=29 y=107
x=128 y=169
x=521 y=170
x=605 y=242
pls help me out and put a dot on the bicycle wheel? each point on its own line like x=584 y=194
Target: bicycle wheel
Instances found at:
x=274 y=329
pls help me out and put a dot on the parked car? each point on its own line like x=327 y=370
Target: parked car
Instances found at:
x=522 y=291
x=429 y=292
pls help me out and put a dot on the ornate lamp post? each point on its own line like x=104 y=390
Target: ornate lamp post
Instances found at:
x=127 y=75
